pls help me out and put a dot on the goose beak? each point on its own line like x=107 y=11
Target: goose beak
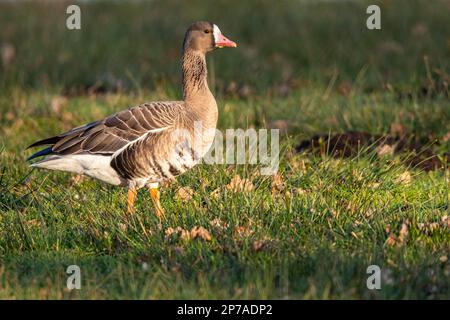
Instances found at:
x=223 y=41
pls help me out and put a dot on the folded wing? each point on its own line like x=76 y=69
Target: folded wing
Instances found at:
x=107 y=136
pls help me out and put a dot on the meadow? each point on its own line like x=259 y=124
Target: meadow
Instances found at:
x=310 y=232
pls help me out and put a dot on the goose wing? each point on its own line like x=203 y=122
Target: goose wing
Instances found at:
x=113 y=133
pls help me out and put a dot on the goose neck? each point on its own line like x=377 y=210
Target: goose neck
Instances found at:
x=195 y=84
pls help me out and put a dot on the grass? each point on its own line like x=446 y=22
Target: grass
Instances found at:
x=309 y=233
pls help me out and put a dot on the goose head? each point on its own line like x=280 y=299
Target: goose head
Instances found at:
x=204 y=36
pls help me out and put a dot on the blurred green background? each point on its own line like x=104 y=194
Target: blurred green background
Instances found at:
x=283 y=44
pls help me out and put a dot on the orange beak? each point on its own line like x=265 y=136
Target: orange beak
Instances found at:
x=223 y=41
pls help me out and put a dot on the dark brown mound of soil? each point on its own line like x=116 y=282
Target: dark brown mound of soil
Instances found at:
x=414 y=151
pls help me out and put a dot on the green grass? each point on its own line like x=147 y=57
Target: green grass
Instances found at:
x=314 y=237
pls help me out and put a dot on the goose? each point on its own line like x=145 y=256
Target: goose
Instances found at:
x=142 y=146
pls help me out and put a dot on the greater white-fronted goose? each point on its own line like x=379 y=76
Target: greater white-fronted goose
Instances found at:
x=142 y=146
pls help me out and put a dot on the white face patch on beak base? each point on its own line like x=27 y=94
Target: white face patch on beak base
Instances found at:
x=216 y=33
x=220 y=41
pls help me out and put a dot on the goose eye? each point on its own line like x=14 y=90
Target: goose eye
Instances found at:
x=207 y=31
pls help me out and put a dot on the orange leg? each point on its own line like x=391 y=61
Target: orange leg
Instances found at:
x=154 y=194
x=131 y=199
